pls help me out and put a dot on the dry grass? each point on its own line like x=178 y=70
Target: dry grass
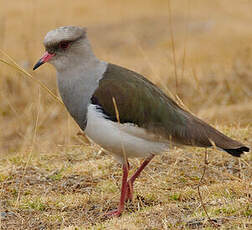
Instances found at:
x=51 y=179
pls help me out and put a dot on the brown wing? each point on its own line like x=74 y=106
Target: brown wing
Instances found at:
x=142 y=103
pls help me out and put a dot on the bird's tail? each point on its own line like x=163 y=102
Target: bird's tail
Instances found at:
x=237 y=151
x=218 y=139
x=201 y=134
x=231 y=146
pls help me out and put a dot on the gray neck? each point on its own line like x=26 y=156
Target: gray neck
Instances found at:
x=77 y=84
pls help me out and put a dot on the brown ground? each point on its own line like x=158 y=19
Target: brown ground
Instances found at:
x=51 y=179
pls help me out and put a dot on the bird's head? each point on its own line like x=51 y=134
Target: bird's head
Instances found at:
x=63 y=46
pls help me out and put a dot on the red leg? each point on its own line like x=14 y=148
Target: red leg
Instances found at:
x=120 y=208
x=129 y=193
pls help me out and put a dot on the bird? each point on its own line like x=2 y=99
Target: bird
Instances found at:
x=122 y=111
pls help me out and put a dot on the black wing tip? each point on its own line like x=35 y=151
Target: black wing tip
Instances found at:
x=237 y=152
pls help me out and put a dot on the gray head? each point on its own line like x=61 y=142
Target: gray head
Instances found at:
x=64 y=46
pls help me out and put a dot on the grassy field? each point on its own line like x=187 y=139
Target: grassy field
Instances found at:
x=51 y=178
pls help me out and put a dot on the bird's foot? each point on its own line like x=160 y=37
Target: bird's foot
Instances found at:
x=114 y=213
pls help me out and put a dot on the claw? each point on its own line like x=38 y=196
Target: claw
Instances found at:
x=114 y=213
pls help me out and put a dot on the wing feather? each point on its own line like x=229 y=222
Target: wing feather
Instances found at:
x=143 y=104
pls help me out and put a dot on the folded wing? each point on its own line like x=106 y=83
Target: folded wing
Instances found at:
x=143 y=104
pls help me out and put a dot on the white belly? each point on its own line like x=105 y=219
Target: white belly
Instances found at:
x=121 y=138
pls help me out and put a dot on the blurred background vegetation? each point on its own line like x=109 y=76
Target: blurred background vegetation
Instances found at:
x=200 y=50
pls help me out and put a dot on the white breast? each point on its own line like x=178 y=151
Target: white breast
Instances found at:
x=121 y=138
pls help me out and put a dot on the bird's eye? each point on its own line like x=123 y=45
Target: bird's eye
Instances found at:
x=64 y=45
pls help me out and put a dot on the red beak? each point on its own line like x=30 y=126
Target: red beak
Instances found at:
x=46 y=57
